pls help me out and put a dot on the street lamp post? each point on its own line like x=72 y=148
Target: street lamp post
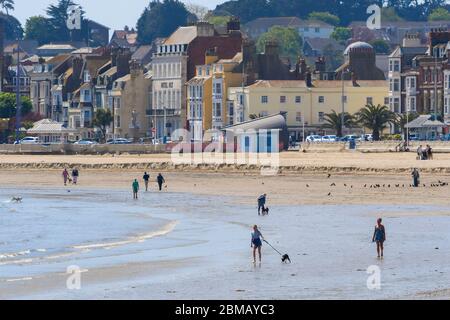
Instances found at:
x=18 y=102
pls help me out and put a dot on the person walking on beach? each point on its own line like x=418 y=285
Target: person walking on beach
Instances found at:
x=65 y=175
x=75 y=175
x=146 y=178
x=256 y=243
x=379 y=236
x=135 y=187
x=262 y=203
x=416 y=177
x=160 y=181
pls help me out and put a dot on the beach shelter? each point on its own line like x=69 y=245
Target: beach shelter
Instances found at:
x=426 y=127
x=50 y=131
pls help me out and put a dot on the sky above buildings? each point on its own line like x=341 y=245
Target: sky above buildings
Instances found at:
x=112 y=13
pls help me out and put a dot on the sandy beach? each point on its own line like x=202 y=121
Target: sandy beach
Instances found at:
x=324 y=222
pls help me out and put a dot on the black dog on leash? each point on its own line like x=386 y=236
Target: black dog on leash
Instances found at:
x=265 y=211
x=286 y=258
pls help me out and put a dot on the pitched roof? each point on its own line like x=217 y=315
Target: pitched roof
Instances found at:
x=183 y=35
x=57 y=47
x=279 y=84
x=142 y=52
x=47 y=126
x=424 y=121
x=57 y=60
x=322 y=43
x=349 y=83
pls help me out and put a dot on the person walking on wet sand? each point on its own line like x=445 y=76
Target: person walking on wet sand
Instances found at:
x=416 y=177
x=379 y=236
x=146 y=178
x=75 y=175
x=65 y=175
x=160 y=181
x=256 y=243
x=135 y=187
x=261 y=203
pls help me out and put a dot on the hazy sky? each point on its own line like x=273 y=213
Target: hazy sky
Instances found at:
x=112 y=13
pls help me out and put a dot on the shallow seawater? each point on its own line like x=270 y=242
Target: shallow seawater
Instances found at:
x=330 y=246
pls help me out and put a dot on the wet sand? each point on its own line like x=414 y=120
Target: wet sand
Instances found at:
x=324 y=223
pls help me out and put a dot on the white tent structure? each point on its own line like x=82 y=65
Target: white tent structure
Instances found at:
x=50 y=131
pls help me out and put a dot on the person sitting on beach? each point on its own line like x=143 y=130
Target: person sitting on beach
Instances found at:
x=256 y=243
x=135 y=187
x=379 y=236
x=416 y=177
x=65 y=175
x=75 y=175
x=261 y=203
x=160 y=179
x=146 y=178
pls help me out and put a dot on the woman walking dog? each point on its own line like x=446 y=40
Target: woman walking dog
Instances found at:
x=256 y=243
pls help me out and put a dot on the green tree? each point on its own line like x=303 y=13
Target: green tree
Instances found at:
x=38 y=28
x=401 y=120
x=7 y=5
x=333 y=121
x=13 y=28
x=289 y=40
x=380 y=46
x=325 y=17
x=8 y=105
x=389 y=14
x=341 y=34
x=102 y=119
x=439 y=14
x=154 y=21
x=218 y=20
x=334 y=58
x=375 y=118
x=58 y=15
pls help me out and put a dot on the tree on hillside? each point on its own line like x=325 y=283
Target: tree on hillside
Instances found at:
x=8 y=105
x=246 y=10
x=325 y=17
x=439 y=14
x=341 y=34
x=38 y=28
x=58 y=15
x=389 y=14
x=218 y=20
x=7 y=5
x=333 y=121
x=103 y=118
x=375 y=118
x=155 y=22
x=380 y=46
x=13 y=28
x=200 y=12
x=289 y=40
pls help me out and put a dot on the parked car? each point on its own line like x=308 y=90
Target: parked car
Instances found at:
x=28 y=140
x=314 y=138
x=445 y=137
x=367 y=137
x=350 y=137
x=86 y=142
x=329 y=138
x=414 y=137
x=118 y=141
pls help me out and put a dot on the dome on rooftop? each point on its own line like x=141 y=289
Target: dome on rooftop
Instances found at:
x=357 y=45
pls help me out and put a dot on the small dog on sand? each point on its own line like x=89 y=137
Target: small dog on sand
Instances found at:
x=265 y=211
x=16 y=199
x=286 y=259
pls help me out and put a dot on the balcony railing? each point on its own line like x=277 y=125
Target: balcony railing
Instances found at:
x=160 y=112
